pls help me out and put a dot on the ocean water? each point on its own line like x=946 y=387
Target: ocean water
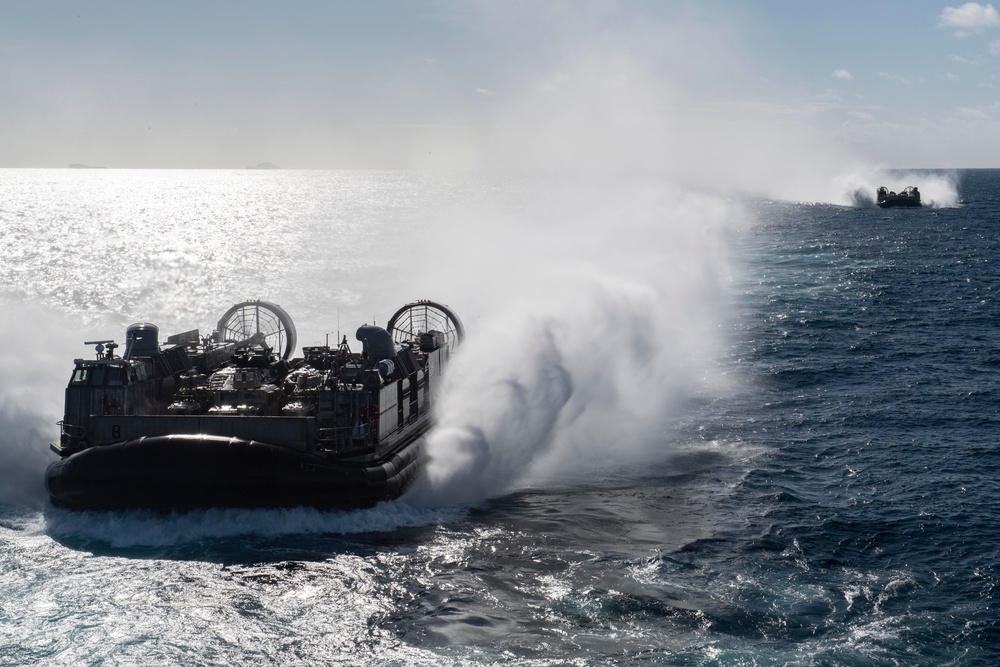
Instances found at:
x=686 y=429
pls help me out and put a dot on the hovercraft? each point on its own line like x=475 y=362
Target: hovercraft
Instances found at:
x=231 y=420
x=886 y=198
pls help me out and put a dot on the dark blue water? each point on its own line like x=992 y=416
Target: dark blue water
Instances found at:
x=838 y=504
x=872 y=338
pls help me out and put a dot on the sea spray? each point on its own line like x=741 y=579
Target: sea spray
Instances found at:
x=33 y=372
x=23 y=455
x=588 y=342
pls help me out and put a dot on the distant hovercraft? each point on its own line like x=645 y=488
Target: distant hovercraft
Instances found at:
x=908 y=197
x=229 y=420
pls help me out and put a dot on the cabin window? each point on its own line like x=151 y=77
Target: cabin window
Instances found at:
x=79 y=376
x=116 y=376
x=97 y=376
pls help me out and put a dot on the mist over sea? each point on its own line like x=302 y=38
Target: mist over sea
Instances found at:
x=688 y=427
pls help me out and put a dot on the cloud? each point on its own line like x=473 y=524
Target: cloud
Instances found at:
x=905 y=80
x=831 y=95
x=994 y=47
x=553 y=82
x=965 y=112
x=842 y=74
x=987 y=112
x=485 y=92
x=970 y=17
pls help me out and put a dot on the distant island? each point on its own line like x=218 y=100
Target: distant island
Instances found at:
x=84 y=166
x=265 y=165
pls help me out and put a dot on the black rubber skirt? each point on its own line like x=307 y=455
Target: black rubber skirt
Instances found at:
x=186 y=472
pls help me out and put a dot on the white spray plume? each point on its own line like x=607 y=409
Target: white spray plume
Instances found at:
x=620 y=90
x=588 y=338
x=613 y=113
x=34 y=371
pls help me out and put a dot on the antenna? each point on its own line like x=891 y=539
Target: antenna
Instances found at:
x=99 y=346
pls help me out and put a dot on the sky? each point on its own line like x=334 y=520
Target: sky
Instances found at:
x=679 y=86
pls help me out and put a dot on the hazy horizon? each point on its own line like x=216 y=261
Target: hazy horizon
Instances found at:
x=707 y=92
